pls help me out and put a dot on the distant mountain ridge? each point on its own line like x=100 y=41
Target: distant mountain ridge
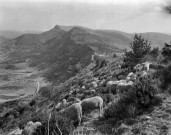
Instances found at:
x=122 y=39
x=11 y=34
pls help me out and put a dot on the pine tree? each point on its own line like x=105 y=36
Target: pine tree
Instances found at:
x=140 y=47
x=166 y=52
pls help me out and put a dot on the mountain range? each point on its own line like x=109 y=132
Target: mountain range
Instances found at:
x=59 y=50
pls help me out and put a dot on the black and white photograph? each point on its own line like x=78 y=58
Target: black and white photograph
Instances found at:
x=85 y=67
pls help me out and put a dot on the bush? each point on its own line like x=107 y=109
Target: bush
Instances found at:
x=114 y=55
x=46 y=92
x=145 y=92
x=100 y=63
x=165 y=79
x=139 y=97
x=57 y=124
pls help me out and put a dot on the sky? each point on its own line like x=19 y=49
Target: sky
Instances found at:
x=123 y=15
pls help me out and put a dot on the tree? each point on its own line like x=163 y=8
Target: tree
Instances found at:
x=166 y=52
x=155 y=52
x=140 y=47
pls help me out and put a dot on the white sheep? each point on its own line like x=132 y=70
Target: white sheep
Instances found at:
x=111 y=85
x=73 y=99
x=63 y=101
x=146 y=66
x=92 y=103
x=89 y=92
x=30 y=128
x=122 y=87
x=74 y=112
x=131 y=77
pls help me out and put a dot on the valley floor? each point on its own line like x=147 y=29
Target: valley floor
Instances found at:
x=18 y=82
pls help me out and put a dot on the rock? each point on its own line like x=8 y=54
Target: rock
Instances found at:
x=16 y=132
x=145 y=118
x=121 y=77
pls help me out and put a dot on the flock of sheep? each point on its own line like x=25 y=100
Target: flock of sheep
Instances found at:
x=120 y=86
x=74 y=112
x=77 y=107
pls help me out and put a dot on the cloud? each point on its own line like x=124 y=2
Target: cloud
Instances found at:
x=126 y=15
x=167 y=7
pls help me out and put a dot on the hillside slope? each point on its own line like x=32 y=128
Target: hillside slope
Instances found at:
x=60 y=58
x=3 y=39
x=60 y=46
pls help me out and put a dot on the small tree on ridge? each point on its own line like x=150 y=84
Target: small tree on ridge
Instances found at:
x=140 y=47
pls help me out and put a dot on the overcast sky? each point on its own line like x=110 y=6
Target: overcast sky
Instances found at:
x=123 y=15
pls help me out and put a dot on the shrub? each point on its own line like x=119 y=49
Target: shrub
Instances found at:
x=114 y=55
x=139 y=97
x=165 y=79
x=99 y=63
x=145 y=92
x=155 y=52
x=57 y=124
x=46 y=92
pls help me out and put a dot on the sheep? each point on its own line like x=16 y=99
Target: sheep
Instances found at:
x=130 y=74
x=161 y=67
x=73 y=99
x=92 y=103
x=89 y=92
x=146 y=65
x=61 y=104
x=63 y=101
x=131 y=77
x=83 y=87
x=120 y=77
x=74 y=112
x=123 y=87
x=111 y=85
x=58 y=105
x=30 y=128
x=156 y=66
x=94 y=84
x=138 y=67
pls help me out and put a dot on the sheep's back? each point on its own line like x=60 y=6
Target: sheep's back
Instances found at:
x=90 y=104
x=123 y=87
x=73 y=111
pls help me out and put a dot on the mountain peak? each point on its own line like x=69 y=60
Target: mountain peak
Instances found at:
x=57 y=27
